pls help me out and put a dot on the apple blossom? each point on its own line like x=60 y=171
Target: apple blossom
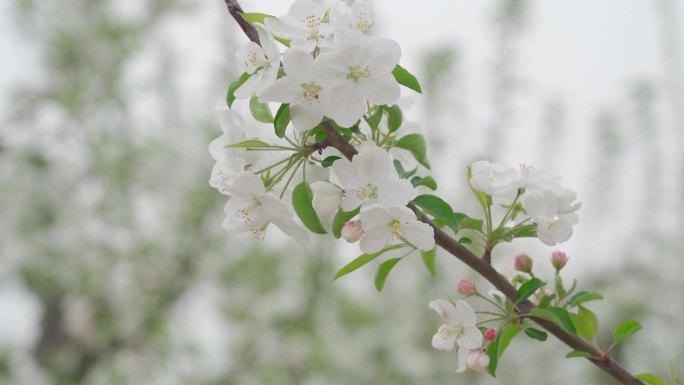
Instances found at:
x=358 y=16
x=494 y=179
x=459 y=327
x=326 y=199
x=371 y=178
x=303 y=24
x=554 y=214
x=382 y=225
x=358 y=70
x=262 y=62
x=251 y=209
x=352 y=231
x=475 y=360
x=299 y=88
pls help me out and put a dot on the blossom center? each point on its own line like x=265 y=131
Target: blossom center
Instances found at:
x=254 y=59
x=245 y=213
x=447 y=331
x=367 y=192
x=362 y=23
x=312 y=23
x=358 y=73
x=395 y=228
x=311 y=92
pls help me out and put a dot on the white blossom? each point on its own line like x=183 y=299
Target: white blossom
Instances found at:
x=326 y=199
x=383 y=225
x=303 y=24
x=553 y=212
x=371 y=178
x=475 y=360
x=252 y=209
x=299 y=88
x=356 y=71
x=459 y=327
x=262 y=62
x=359 y=16
x=494 y=179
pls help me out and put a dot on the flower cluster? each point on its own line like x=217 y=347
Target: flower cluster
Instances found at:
x=549 y=205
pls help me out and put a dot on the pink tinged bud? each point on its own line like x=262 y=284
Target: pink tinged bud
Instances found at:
x=466 y=288
x=476 y=360
x=490 y=335
x=559 y=259
x=523 y=263
x=352 y=231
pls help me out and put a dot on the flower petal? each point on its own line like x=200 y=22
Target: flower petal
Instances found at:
x=445 y=309
x=283 y=90
x=298 y=64
x=306 y=116
x=419 y=234
x=395 y=192
x=442 y=340
x=374 y=165
x=381 y=90
x=381 y=56
x=470 y=339
x=374 y=239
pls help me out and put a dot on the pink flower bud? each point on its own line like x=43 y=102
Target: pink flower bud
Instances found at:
x=490 y=335
x=466 y=288
x=559 y=259
x=477 y=360
x=523 y=263
x=352 y=231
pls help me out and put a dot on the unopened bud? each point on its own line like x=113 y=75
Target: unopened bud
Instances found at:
x=352 y=231
x=466 y=288
x=523 y=263
x=476 y=360
x=558 y=259
x=490 y=335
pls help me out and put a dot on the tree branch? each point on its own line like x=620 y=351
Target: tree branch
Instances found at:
x=446 y=242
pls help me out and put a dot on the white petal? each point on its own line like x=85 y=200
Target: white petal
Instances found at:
x=395 y=192
x=269 y=45
x=443 y=341
x=250 y=57
x=351 y=201
x=374 y=239
x=344 y=104
x=466 y=314
x=247 y=185
x=470 y=339
x=283 y=90
x=246 y=90
x=420 y=235
x=346 y=173
x=445 y=309
x=375 y=216
x=230 y=121
x=381 y=55
x=217 y=148
x=374 y=165
x=382 y=90
x=286 y=27
x=331 y=70
x=298 y=63
x=461 y=364
x=306 y=116
x=291 y=228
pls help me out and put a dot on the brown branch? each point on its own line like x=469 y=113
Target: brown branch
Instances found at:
x=480 y=265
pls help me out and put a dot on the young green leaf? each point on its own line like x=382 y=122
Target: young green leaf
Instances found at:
x=528 y=288
x=260 y=111
x=301 y=202
x=470 y=223
x=585 y=323
x=383 y=271
x=230 y=96
x=250 y=143
x=394 y=118
x=536 y=334
x=415 y=143
x=434 y=206
x=429 y=260
x=578 y=354
x=328 y=161
x=252 y=18
x=556 y=315
x=340 y=219
x=282 y=119
x=582 y=297
x=499 y=345
x=650 y=379
x=406 y=78
x=427 y=181
x=374 y=119
x=625 y=330
x=362 y=260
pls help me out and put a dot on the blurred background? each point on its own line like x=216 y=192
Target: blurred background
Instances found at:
x=114 y=268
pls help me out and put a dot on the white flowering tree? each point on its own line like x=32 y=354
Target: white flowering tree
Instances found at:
x=334 y=162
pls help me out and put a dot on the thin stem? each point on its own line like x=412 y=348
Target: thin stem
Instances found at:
x=299 y=163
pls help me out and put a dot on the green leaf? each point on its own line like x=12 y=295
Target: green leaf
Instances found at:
x=400 y=170
x=383 y=271
x=528 y=288
x=341 y=219
x=465 y=241
x=415 y=143
x=560 y=288
x=260 y=111
x=282 y=119
x=250 y=143
x=252 y=18
x=362 y=260
x=536 y=334
x=301 y=202
x=428 y=182
x=625 y=330
x=650 y=379
x=546 y=300
x=578 y=354
x=470 y=223
x=429 y=260
x=583 y=296
x=434 y=206
x=394 y=117
x=230 y=97
x=499 y=345
x=374 y=119
x=327 y=162
x=406 y=78
x=585 y=323
x=556 y=315
x=529 y=231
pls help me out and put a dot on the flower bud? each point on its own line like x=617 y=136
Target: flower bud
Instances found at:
x=523 y=263
x=466 y=288
x=490 y=335
x=352 y=231
x=476 y=360
x=559 y=259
